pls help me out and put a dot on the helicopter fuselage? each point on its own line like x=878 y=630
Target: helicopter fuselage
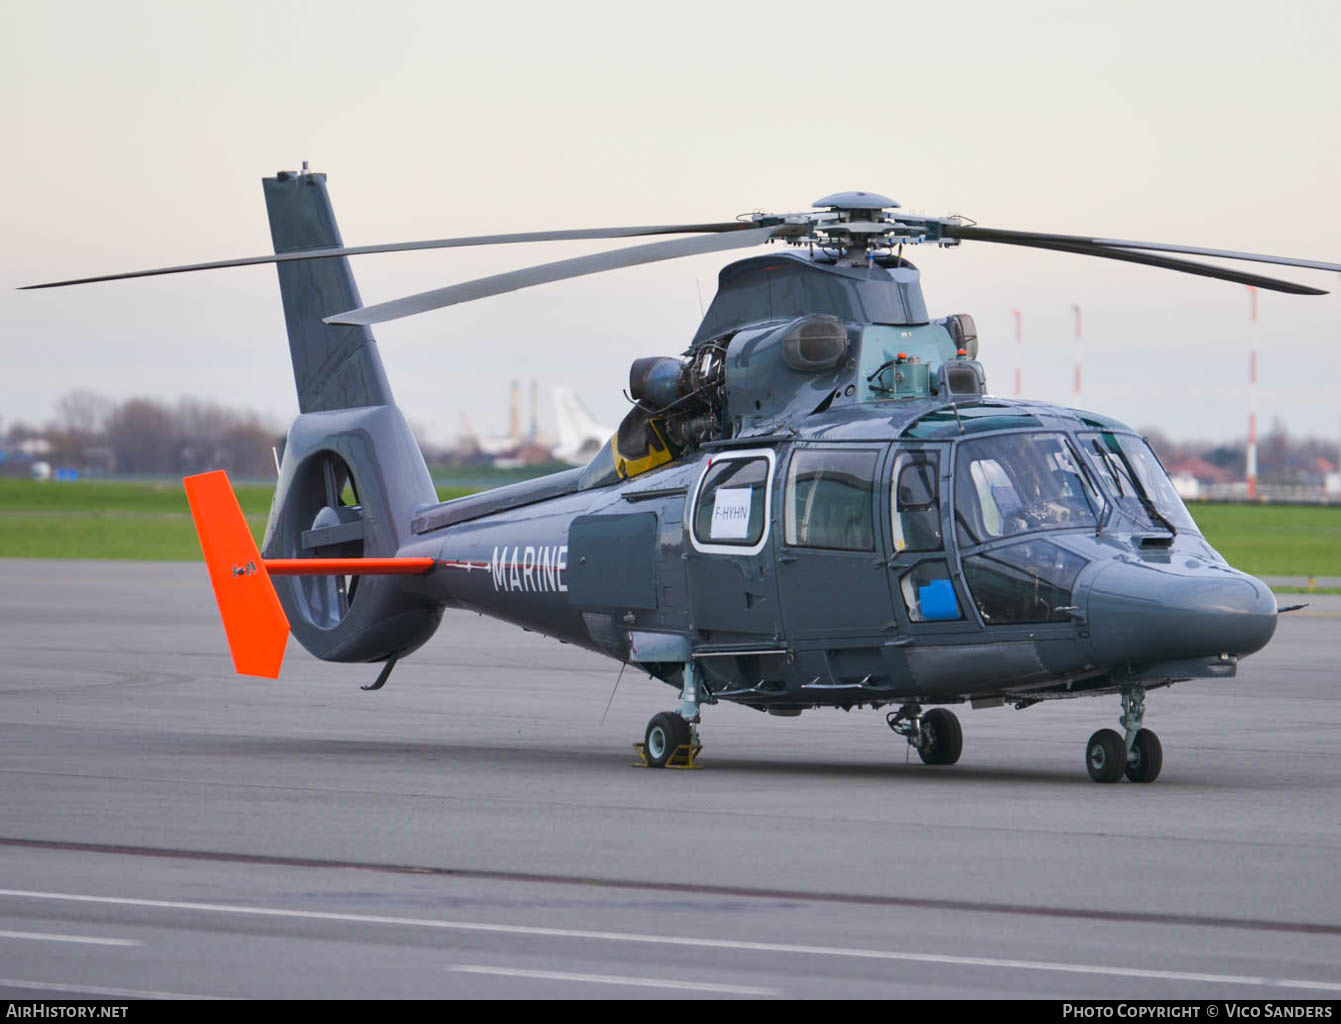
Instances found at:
x=903 y=551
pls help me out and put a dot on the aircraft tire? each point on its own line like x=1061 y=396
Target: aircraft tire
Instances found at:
x=946 y=737
x=1147 y=757
x=1106 y=756
x=666 y=732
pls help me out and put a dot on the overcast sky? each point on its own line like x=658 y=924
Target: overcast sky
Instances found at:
x=136 y=134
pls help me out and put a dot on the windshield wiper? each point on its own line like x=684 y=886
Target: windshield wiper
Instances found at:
x=1088 y=476
x=1115 y=462
x=1155 y=515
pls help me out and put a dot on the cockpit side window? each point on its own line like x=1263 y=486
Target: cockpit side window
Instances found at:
x=830 y=499
x=1010 y=484
x=916 y=502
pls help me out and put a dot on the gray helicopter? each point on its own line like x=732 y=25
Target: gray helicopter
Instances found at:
x=818 y=504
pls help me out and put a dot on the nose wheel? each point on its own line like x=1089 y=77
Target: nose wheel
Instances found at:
x=1146 y=757
x=1106 y=756
x=1138 y=754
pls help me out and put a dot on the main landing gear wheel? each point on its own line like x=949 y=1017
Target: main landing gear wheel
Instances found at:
x=1146 y=758
x=1106 y=756
x=935 y=735
x=666 y=733
x=942 y=737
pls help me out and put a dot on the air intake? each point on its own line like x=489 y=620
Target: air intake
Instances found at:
x=815 y=343
x=961 y=378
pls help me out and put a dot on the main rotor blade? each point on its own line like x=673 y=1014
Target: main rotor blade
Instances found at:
x=1021 y=237
x=1087 y=247
x=435 y=243
x=1228 y=254
x=561 y=270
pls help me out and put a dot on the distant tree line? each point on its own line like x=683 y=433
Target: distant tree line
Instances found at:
x=94 y=434
x=147 y=436
x=1280 y=457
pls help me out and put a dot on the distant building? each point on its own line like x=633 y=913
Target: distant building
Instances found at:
x=1199 y=470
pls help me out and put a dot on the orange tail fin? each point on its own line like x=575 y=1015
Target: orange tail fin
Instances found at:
x=252 y=615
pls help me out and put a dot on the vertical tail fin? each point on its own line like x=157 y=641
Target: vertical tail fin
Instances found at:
x=352 y=474
x=334 y=367
x=257 y=627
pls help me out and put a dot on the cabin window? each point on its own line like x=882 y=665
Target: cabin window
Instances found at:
x=732 y=505
x=1029 y=582
x=830 y=499
x=929 y=593
x=1019 y=483
x=916 y=502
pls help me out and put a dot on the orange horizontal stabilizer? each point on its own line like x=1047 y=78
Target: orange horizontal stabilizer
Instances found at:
x=253 y=618
x=348 y=566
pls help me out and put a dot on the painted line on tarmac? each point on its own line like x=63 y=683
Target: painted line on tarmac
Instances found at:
x=88 y=940
x=696 y=889
x=95 y=990
x=695 y=942
x=615 y=979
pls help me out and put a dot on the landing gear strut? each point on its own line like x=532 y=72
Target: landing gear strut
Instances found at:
x=1145 y=756
x=936 y=735
x=1137 y=754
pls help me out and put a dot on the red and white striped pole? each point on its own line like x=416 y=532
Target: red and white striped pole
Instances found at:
x=1076 y=389
x=1019 y=335
x=1252 y=404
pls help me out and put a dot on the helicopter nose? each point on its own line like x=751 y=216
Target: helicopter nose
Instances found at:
x=1141 y=612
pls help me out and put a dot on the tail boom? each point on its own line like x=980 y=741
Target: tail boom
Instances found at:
x=349 y=566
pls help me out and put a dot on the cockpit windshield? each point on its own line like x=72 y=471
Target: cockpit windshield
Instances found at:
x=1123 y=462
x=1009 y=484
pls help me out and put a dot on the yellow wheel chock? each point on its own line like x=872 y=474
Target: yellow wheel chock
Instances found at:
x=684 y=756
